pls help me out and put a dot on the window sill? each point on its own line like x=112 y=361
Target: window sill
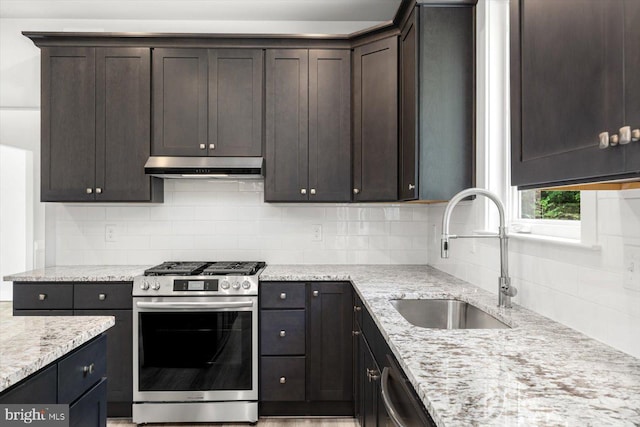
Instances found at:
x=573 y=243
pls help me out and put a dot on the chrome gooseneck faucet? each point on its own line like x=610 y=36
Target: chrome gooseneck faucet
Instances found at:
x=505 y=290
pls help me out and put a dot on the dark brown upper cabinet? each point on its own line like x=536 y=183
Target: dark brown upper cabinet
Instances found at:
x=437 y=97
x=96 y=125
x=308 y=125
x=574 y=76
x=207 y=102
x=375 y=118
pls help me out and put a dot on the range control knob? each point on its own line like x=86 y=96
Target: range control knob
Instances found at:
x=155 y=286
x=224 y=284
x=144 y=285
x=246 y=284
x=236 y=285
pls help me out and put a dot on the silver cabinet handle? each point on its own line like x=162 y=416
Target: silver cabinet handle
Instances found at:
x=212 y=146
x=412 y=187
x=313 y=191
x=355 y=333
x=88 y=370
x=373 y=374
x=42 y=297
x=635 y=135
x=316 y=293
x=283 y=334
x=283 y=295
x=203 y=146
x=356 y=191
x=98 y=190
x=604 y=139
x=89 y=190
x=102 y=297
x=283 y=380
x=625 y=135
x=614 y=140
x=303 y=191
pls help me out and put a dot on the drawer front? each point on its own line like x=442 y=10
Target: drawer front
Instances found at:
x=282 y=379
x=282 y=295
x=40 y=388
x=282 y=332
x=43 y=312
x=42 y=296
x=82 y=369
x=91 y=296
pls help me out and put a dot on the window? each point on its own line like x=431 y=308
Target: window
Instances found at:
x=554 y=205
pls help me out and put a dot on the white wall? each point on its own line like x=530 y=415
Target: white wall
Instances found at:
x=228 y=220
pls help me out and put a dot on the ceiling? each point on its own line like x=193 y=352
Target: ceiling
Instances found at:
x=202 y=10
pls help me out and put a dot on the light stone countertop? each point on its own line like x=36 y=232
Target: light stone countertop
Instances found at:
x=539 y=373
x=29 y=343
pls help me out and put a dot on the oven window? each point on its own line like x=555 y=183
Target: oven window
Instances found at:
x=187 y=351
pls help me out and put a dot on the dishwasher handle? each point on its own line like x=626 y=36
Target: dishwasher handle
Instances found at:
x=386 y=399
x=193 y=304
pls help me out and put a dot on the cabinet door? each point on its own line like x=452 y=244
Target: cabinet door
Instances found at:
x=632 y=82
x=375 y=144
x=567 y=87
x=368 y=386
x=123 y=116
x=179 y=102
x=119 y=360
x=235 y=102
x=408 y=147
x=68 y=124
x=287 y=119
x=330 y=343
x=90 y=409
x=329 y=125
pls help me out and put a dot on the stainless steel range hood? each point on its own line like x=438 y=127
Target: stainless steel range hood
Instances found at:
x=205 y=167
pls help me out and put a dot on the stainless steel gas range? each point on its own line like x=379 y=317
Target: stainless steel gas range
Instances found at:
x=195 y=349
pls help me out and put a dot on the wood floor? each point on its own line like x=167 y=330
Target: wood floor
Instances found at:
x=263 y=422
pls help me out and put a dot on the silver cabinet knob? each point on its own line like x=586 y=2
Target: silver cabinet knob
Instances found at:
x=635 y=135
x=98 y=190
x=355 y=333
x=212 y=146
x=203 y=146
x=357 y=308
x=412 y=187
x=625 y=135
x=42 y=297
x=316 y=293
x=89 y=190
x=303 y=191
x=102 y=297
x=604 y=139
x=283 y=380
x=88 y=370
x=312 y=191
x=283 y=334
x=614 y=140
x=283 y=295
x=356 y=191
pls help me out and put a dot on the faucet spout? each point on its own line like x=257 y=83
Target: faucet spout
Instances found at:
x=505 y=290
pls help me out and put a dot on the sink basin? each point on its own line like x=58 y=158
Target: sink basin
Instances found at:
x=445 y=314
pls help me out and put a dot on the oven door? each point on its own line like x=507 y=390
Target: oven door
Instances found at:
x=195 y=349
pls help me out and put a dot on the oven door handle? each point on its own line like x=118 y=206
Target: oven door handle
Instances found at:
x=193 y=304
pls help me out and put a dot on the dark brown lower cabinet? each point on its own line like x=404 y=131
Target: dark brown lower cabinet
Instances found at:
x=306 y=349
x=90 y=299
x=65 y=382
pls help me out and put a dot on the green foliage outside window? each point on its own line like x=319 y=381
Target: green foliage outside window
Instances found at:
x=541 y=204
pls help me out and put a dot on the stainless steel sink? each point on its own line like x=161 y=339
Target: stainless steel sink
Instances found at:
x=445 y=314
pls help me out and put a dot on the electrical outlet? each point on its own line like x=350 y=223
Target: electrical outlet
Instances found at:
x=110 y=234
x=316 y=232
x=632 y=267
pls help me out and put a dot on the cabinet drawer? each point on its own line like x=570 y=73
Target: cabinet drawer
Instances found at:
x=282 y=332
x=42 y=296
x=282 y=295
x=102 y=295
x=82 y=369
x=38 y=388
x=90 y=409
x=282 y=378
